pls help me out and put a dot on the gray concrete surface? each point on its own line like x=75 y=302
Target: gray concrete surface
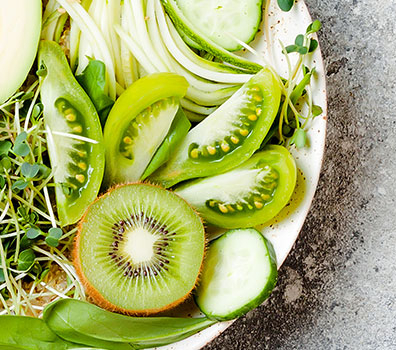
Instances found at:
x=337 y=289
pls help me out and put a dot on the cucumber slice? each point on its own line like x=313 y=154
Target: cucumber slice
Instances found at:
x=228 y=136
x=239 y=274
x=249 y=195
x=189 y=27
x=217 y=19
x=20 y=28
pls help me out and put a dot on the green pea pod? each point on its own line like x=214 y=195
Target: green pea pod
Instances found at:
x=28 y=333
x=138 y=123
x=228 y=136
x=75 y=141
x=85 y=323
x=177 y=132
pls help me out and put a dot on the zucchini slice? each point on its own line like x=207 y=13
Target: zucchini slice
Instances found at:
x=219 y=20
x=249 y=195
x=239 y=273
x=20 y=28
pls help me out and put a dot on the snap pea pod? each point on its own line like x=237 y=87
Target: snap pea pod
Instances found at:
x=88 y=324
x=29 y=333
x=176 y=133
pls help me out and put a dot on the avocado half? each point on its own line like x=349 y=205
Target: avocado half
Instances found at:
x=20 y=28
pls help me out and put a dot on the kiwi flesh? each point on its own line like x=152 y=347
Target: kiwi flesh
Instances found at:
x=139 y=249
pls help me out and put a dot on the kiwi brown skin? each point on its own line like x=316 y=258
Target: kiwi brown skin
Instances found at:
x=95 y=295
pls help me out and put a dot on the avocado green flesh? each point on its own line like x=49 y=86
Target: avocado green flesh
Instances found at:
x=141 y=266
x=20 y=28
x=239 y=274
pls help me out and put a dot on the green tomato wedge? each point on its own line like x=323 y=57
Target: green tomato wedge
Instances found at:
x=248 y=195
x=138 y=124
x=190 y=28
x=227 y=137
x=74 y=134
x=220 y=20
x=87 y=324
x=239 y=273
x=177 y=132
x=20 y=28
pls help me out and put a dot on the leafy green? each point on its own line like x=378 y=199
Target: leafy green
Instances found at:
x=93 y=81
x=54 y=234
x=285 y=5
x=29 y=171
x=88 y=324
x=26 y=260
x=28 y=333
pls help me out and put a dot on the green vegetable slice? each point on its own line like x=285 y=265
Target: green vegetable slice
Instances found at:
x=87 y=324
x=20 y=28
x=239 y=274
x=227 y=137
x=138 y=124
x=75 y=141
x=189 y=28
x=248 y=195
x=220 y=21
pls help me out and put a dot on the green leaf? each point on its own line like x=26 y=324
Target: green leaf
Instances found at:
x=20 y=138
x=285 y=5
x=2 y=181
x=302 y=50
x=2 y=278
x=33 y=233
x=93 y=81
x=316 y=110
x=313 y=45
x=5 y=147
x=55 y=232
x=26 y=260
x=52 y=242
x=21 y=149
x=27 y=96
x=299 y=40
x=22 y=333
x=29 y=170
x=291 y=48
x=19 y=185
x=314 y=27
x=87 y=324
x=6 y=163
x=299 y=138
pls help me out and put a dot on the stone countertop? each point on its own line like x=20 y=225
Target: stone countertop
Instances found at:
x=337 y=288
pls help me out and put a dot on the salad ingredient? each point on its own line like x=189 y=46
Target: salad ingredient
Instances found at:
x=176 y=134
x=20 y=27
x=93 y=81
x=191 y=30
x=87 y=324
x=248 y=195
x=139 y=249
x=138 y=124
x=29 y=333
x=239 y=274
x=228 y=136
x=218 y=19
x=74 y=135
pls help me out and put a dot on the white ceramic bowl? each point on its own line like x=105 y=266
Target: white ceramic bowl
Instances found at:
x=284 y=229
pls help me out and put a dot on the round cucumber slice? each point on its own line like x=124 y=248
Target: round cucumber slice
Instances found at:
x=20 y=28
x=239 y=274
x=228 y=136
x=221 y=20
x=249 y=195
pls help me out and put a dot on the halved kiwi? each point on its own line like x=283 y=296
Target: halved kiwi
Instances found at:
x=139 y=249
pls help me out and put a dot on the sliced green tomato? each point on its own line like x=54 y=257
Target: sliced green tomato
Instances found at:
x=20 y=28
x=191 y=29
x=228 y=136
x=75 y=141
x=221 y=20
x=239 y=274
x=246 y=196
x=138 y=123
x=177 y=132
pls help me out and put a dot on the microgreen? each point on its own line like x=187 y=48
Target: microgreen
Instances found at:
x=285 y=5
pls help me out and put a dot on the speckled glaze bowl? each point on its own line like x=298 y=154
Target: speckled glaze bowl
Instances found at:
x=284 y=229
